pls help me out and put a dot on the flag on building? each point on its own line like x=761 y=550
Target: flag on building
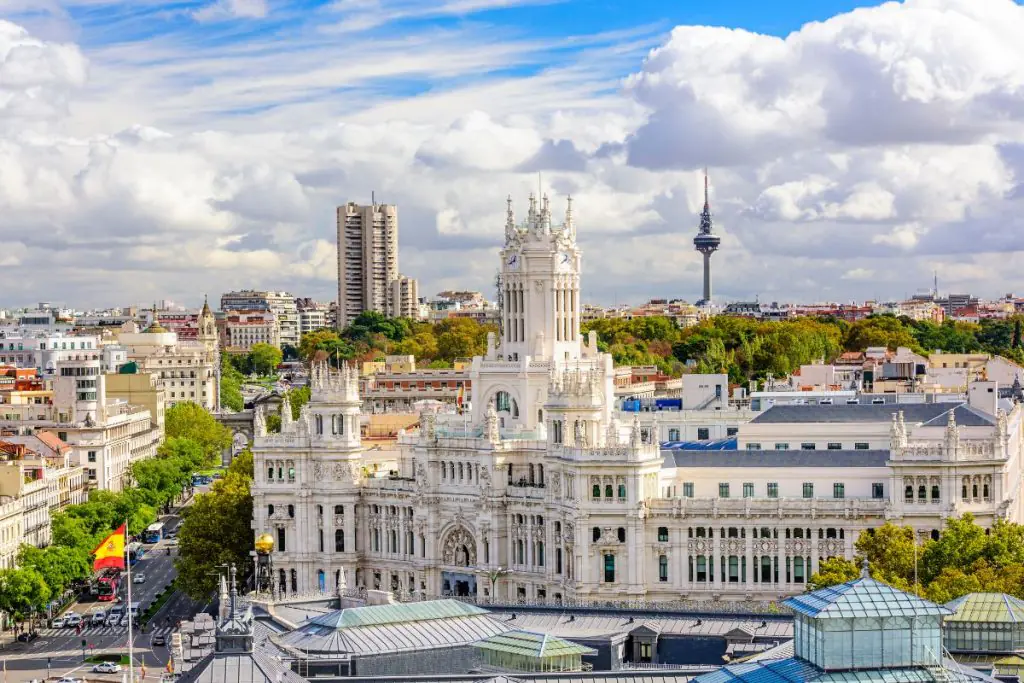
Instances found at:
x=110 y=553
x=461 y=398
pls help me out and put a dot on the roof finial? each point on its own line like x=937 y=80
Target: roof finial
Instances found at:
x=865 y=569
x=706 y=203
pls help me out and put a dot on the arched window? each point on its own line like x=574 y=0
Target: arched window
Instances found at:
x=319 y=421
x=444 y=471
x=295 y=581
x=922 y=493
x=282 y=580
x=270 y=511
x=321 y=580
x=291 y=511
x=963 y=489
x=608 y=493
x=519 y=551
x=320 y=510
x=339 y=540
x=409 y=543
x=662 y=568
x=622 y=491
x=935 y=492
x=531 y=475
x=985 y=490
x=908 y=494
x=460 y=471
x=798 y=569
x=451 y=471
x=974 y=490
x=540 y=474
x=597 y=490
x=622 y=534
x=503 y=402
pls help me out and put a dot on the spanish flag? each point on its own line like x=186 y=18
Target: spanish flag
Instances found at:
x=460 y=399
x=110 y=553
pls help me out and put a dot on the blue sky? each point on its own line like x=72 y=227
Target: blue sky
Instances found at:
x=168 y=149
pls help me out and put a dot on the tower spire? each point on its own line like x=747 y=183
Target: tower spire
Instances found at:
x=706 y=243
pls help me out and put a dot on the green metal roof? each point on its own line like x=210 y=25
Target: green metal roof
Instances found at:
x=377 y=615
x=530 y=644
x=987 y=608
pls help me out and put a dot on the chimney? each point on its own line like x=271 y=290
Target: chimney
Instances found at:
x=984 y=396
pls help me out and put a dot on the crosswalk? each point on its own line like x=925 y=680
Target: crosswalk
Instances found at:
x=101 y=631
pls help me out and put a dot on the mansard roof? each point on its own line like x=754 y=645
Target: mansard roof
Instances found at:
x=788 y=458
x=863 y=597
x=933 y=414
x=986 y=608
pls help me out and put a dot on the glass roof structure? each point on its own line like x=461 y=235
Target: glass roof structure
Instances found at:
x=529 y=644
x=712 y=445
x=861 y=598
x=378 y=615
x=987 y=608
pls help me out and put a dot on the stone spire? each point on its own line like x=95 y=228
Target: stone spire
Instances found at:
x=865 y=569
x=545 y=214
x=286 y=415
x=531 y=216
x=510 y=221
x=259 y=422
x=224 y=608
x=570 y=225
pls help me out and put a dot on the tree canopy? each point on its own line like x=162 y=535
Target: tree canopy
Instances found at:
x=217 y=529
x=192 y=421
x=963 y=560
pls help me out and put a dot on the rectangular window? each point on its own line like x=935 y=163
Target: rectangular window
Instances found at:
x=92 y=456
x=808 y=490
x=703 y=434
x=860 y=446
x=748 y=489
x=662 y=534
x=807 y=446
x=609 y=569
x=732 y=431
x=753 y=446
x=835 y=446
x=773 y=489
x=723 y=490
x=838 y=490
x=782 y=446
x=687 y=489
x=877 y=491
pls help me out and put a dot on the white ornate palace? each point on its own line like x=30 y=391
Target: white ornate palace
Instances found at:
x=541 y=493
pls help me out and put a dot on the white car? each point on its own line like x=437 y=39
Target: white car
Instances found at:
x=106 y=668
x=72 y=619
x=172 y=541
x=59 y=622
x=139 y=577
x=125 y=619
x=70 y=680
x=113 y=619
x=98 y=618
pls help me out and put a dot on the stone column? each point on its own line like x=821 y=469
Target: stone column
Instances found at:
x=780 y=556
x=749 y=548
x=716 y=555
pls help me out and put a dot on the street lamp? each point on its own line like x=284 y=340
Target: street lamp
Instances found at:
x=494 y=573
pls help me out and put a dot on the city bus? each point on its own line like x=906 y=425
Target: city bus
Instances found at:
x=107 y=586
x=154 y=533
x=135 y=552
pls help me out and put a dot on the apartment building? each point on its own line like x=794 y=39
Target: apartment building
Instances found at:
x=367 y=259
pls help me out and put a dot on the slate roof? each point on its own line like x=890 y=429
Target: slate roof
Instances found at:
x=862 y=597
x=529 y=644
x=252 y=667
x=600 y=626
x=709 y=445
x=798 y=670
x=932 y=414
x=788 y=458
x=986 y=608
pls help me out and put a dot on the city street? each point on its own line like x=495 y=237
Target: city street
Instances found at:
x=62 y=647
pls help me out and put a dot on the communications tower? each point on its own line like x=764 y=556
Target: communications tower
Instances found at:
x=706 y=242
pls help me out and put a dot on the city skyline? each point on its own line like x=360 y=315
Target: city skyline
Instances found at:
x=140 y=158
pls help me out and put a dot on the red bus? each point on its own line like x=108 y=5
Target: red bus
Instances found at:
x=108 y=585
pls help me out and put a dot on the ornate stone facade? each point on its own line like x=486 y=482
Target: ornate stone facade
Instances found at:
x=542 y=492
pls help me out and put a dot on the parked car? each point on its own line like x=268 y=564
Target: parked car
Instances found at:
x=139 y=577
x=58 y=622
x=113 y=619
x=106 y=668
x=159 y=640
x=98 y=618
x=70 y=680
x=72 y=619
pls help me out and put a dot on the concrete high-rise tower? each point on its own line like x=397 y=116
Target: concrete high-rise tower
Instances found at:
x=367 y=259
x=705 y=242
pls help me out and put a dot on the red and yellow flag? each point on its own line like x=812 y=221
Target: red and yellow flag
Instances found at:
x=110 y=553
x=460 y=399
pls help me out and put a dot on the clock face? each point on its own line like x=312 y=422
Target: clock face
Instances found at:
x=563 y=260
x=512 y=261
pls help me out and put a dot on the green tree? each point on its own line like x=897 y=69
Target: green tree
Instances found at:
x=230 y=386
x=833 y=571
x=265 y=358
x=216 y=530
x=298 y=397
x=891 y=554
x=60 y=566
x=23 y=592
x=192 y=421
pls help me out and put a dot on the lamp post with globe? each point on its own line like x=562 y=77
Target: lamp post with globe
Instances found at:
x=265 y=564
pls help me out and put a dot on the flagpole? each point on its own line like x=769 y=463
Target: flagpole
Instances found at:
x=131 y=618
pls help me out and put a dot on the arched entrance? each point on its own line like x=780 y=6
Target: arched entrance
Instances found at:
x=458 y=554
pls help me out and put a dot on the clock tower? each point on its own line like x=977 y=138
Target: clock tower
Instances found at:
x=540 y=279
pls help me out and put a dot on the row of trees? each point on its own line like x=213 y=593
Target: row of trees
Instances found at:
x=372 y=336
x=747 y=349
x=194 y=441
x=965 y=559
x=262 y=360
